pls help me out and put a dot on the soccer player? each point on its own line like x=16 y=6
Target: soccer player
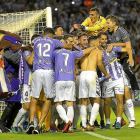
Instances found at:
x=114 y=85
x=81 y=43
x=69 y=38
x=89 y=86
x=64 y=83
x=58 y=30
x=93 y=24
x=27 y=58
x=43 y=74
x=117 y=34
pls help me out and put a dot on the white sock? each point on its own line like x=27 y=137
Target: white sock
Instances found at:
x=76 y=115
x=83 y=113
x=62 y=113
x=119 y=119
x=19 y=117
x=126 y=112
x=89 y=107
x=70 y=113
x=53 y=114
x=113 y=105
x=94 y=113
x=108 y=121
x=35 y=121
x=21 y=121
x=130 y=108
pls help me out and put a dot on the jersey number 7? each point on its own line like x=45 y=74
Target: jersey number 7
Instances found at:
x=66 y=58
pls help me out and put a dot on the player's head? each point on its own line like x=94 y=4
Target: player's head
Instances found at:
x=111 y=22
x=34 y=36
x=69 y=39
x=48 y=32
x=92 y=40
x=94 y=14
x=82 y=40
x=58 y=30
x=75 y=39
x=103 y=39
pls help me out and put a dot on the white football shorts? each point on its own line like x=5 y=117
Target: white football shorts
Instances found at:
x=89 y=85
x=42 y=79
x=25 y=94
x=64 y=91
x=109 y=89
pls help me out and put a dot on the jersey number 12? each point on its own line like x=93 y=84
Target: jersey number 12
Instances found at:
x=47 y=46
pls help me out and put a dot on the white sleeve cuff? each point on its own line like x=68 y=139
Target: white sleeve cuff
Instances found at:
x=86 y=28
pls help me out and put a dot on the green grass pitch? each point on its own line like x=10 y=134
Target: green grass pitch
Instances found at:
x=123 y=134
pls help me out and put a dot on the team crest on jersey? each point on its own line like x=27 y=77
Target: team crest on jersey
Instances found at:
x=27 y=53
x=117 y=38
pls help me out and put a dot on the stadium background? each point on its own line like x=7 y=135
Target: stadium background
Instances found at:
x=68 y=12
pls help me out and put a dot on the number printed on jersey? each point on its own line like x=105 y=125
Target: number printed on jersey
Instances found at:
x=66 y=58
x=43 y=49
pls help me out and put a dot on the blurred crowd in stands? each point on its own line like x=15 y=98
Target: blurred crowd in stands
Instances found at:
x=68 y=12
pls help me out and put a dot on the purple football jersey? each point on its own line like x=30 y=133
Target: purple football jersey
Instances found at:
x=65 y=64
x=111 y=64
x=43 y=50
x=27 y=68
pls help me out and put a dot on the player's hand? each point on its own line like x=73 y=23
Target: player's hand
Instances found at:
x=79 y=26
x=131 y=62
x=108 y=75
x=71 y=30
x=109 y=48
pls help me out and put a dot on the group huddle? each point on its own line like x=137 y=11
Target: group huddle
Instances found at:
x=79 y=74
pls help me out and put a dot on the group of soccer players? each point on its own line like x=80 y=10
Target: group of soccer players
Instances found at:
x=88 y=71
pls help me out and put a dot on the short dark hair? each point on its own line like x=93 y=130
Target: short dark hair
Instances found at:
x=113 y=19
x=48 y=30
x=55 y=27
x=58 y=37
x=35 y=36
x=94 y=9
x=101 y=33
x=91 y=37
x=66 y=36
x=80 y=34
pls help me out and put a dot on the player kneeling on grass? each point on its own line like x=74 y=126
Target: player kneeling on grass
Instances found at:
x=64 y=83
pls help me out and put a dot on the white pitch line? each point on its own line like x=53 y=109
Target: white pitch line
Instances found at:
x=100 y=136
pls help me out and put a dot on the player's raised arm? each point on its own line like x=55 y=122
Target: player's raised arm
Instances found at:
x=67 y=46
x=30 y=59
x=87 y=51
x=110 y=47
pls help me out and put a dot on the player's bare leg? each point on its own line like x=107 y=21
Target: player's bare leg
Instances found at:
x=32 y=114
x=119 y=98
x=44 y=111
x=107 y=102
x=101 y=112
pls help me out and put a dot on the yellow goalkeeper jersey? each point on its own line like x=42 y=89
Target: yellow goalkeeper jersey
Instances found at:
x=95 y=28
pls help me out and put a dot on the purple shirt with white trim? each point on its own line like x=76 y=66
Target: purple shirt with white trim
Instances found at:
x=111 y=64
x=65 y=64
x=27 y=68
x=43 y=50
